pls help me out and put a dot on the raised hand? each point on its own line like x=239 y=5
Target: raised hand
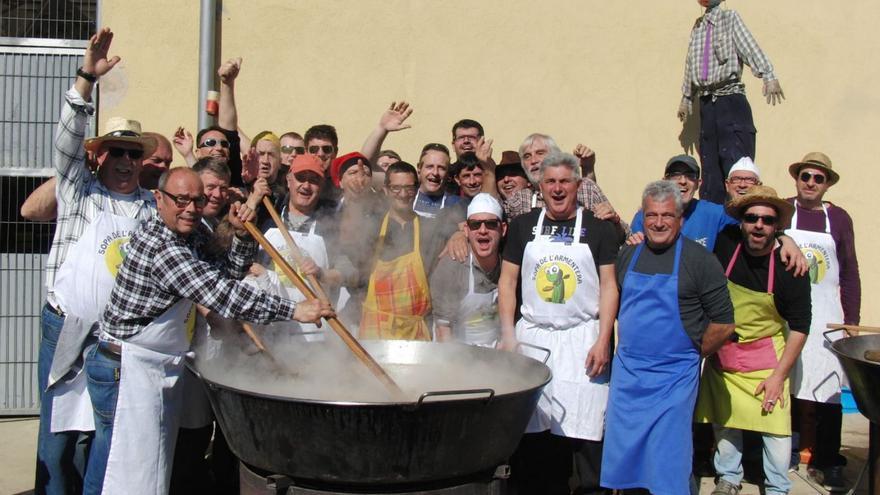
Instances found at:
x=229 y=70
x=484 y=150
x=393 y=119
x=95 y=60
x=183 y=141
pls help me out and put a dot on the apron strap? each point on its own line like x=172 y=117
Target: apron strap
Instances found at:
x=675 y=265
x=732 y=260
x=772 y=269
x=824 y=208
x=471 y=277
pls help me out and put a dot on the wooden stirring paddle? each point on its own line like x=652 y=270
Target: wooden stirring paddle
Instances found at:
x=356 y=348
x=258 y=342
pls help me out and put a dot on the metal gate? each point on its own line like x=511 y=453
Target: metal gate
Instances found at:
x=41 y=45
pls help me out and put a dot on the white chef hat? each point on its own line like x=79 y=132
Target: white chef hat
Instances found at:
x=745 y=164
x=485 y=203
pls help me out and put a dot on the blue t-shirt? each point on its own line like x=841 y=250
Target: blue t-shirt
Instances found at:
x=703 y=220
x=430 y=206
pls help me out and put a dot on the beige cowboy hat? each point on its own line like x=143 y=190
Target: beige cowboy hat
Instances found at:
x=120 y=129
x=757 y=195
x=818 y=160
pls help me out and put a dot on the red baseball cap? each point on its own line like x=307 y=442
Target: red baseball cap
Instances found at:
x=341 y=164
x=306 y=163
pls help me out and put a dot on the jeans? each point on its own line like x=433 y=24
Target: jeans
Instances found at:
x=103 y=383
x=61 y=457
x=777 y=452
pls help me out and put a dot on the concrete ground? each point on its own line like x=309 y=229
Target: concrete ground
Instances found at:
x=18 y=438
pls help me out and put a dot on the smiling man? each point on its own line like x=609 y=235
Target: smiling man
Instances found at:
x=561 y=259
x=742 y=176
x=433 y=168
x=674 y=308
x=745 y=384
x=465 y=295
x=144 y=334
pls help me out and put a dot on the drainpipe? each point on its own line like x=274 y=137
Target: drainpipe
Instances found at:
x=207 y=39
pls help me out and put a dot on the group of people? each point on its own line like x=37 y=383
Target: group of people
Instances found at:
x=521 y=254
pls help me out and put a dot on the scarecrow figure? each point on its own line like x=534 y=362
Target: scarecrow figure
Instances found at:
x=720 y=44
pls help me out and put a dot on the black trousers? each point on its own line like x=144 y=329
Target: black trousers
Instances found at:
x=727 y=133
x=543 y=464
x=827 y=425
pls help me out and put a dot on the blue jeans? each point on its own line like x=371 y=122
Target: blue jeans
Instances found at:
x=61 y=457
x=103 y=374
x=777 y=453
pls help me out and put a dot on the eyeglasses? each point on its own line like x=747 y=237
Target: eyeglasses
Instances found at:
x=326 y=148
x=767 y=219
x=211 y=143
x=490 y=224
x=399 y=189
x=817 y=178
x=184 y=201
x=466 y=137
x=310 y=177
x=675 y=175
x=119 y=152
x=290 y=149
x=743 y=180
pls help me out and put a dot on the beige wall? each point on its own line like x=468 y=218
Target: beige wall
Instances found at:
x=594 y=71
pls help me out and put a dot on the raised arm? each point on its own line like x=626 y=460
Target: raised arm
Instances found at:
x=392 y=120
x=41 y=205
x=228 y=115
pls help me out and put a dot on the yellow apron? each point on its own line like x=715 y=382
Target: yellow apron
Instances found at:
x=398 y=297
x=727 y=398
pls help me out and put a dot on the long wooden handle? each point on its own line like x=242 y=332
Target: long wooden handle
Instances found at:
x=334 y=322
x=258 y=342
x=293 y=248
x=853 y=328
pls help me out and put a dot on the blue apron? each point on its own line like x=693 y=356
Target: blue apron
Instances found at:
x=654 y=383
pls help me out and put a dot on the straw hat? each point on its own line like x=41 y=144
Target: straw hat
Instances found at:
x=818 y=160
x=120 y=129
x=761 y=195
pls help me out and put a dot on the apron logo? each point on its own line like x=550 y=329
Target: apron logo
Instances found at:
x=556 y=278
x=818 y=259
x=114 y=251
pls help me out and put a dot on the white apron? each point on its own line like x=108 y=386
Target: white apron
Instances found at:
x=82 y=289
x=817 y=375
x=148 y=405
x=311 y=245
x=560 y=292
x=427 y=214
x=477 y=322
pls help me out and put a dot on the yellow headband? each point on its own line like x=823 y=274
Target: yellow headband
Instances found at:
x=267 y=136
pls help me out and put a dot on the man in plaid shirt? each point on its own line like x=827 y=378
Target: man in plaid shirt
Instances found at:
x=720 y=43
x=82 y=197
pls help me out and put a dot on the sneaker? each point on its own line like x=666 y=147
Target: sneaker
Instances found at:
x=830 y=478
x=724 y=487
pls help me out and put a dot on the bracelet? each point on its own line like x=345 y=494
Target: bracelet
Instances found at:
x=88 y=76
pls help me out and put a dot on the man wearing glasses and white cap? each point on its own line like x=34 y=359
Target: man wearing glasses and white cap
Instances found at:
x=742 y=176
x=824 y=231
x=745 y=384
x=96 y=215
x=465 y=295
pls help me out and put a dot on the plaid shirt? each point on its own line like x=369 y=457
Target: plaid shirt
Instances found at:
x=162 y=267
x=732 y=45
x=80 y=195
x=520 y=202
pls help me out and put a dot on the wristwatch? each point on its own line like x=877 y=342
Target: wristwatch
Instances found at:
x=88 y=76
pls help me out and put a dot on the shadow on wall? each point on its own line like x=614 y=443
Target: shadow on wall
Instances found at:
x=690 y=131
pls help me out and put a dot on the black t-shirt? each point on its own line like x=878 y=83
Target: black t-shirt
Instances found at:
x=791 y=294
x=702 y=287
x=599 y=235
x=234 y=157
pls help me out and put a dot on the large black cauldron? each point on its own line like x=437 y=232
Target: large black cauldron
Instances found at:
x=442 y=435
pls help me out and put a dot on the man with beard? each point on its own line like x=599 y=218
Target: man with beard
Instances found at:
x=465 y=295
x=97 y=213
x=433 y=168
x=398 y=299
x=824 y=231
x=561 y=259
x=745 y=384
x=674 y=307
x=719 y=45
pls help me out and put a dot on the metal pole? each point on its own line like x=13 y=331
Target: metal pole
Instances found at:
x=207 y=35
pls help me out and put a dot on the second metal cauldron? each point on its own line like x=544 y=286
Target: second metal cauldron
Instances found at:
x=385 y=443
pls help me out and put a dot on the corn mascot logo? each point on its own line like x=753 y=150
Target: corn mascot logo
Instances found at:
x=818 y=260
x=556 y=278
x=114 y=248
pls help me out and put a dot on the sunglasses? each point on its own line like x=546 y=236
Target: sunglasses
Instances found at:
x=310 y=177
x=211 y=143
x=290 y=149
x=490 y=224
x=184 y=201
x=767 y=219
x=817 y=178
x=120 y=152
x=327 y=149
